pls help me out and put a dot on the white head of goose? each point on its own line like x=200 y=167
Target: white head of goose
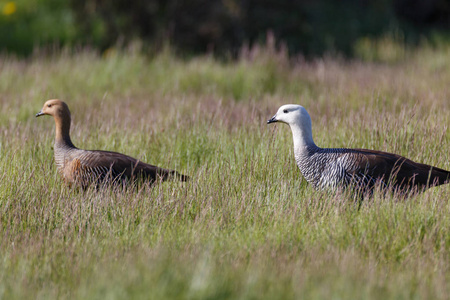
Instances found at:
x=339 y=168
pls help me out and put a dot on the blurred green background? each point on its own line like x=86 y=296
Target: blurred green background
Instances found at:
x=225 y=27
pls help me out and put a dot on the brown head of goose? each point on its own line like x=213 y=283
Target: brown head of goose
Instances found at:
x=337 y=168
x=86 y=167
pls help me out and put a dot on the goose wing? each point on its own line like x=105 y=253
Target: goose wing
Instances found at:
x=96 y=165
x=394 y=169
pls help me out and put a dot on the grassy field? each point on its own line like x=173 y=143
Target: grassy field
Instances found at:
x=247 y=226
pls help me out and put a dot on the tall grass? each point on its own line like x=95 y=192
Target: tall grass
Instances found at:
x=247 y=225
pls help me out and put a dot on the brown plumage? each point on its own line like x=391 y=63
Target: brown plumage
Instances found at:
x=374 y=166
x=86 y=167
x=363 y=169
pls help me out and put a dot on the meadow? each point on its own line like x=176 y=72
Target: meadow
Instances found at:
x=246 y=226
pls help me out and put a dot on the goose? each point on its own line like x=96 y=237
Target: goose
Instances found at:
x=85 y=167
x=361 y=169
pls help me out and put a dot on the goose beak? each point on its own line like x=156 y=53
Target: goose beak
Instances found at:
x=272 y=120
x=40 y=113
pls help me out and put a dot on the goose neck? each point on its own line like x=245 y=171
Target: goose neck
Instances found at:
x=302 y=137
x=62 y=132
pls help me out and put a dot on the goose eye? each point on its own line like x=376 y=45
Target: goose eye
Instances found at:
x=285 y=111
x=49 y=105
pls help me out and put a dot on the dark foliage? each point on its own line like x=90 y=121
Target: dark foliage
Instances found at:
x=222 y=26
x=310 y=27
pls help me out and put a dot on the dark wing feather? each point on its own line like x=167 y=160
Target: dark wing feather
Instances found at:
x=400 y=171
x=125 y=166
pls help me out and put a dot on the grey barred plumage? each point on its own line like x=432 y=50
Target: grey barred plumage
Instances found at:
x=338 y=168
x=86 y=167
x=334 y=167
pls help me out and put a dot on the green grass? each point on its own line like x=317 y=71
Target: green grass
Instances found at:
x=246 y=226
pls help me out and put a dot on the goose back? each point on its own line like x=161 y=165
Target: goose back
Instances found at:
x=341 y=167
